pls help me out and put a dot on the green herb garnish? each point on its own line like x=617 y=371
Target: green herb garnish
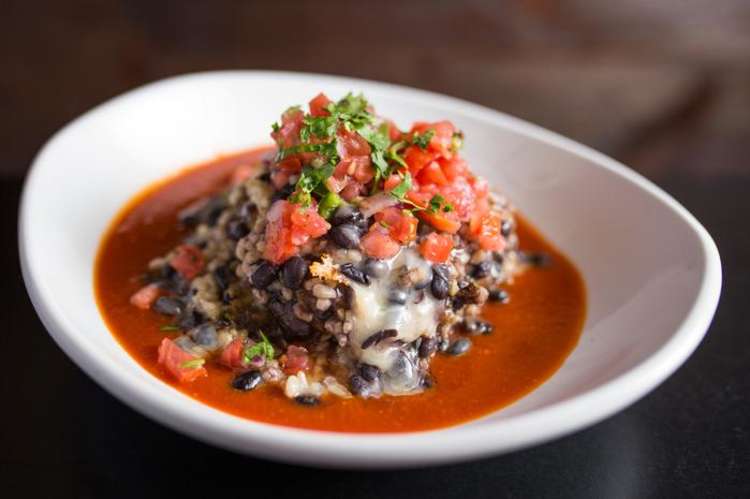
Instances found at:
x=328 y=204
x=309 y=180
x=399 y=192
x=422 y=140
x=263 y=348
x=457 y=141
x=170 y=327
x=192 y=364
x=437 y=203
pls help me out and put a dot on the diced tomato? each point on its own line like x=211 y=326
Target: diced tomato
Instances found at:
x=453 y=167
x=351 y=144
x=146 y=296
x=352 y=190
x=318 y=105
x=289 y=227
x=489 y=234
x=188 y=260
x=173 y=358
x=418 y=158
x=393 y=132
x=296 y=359
x=288 y=133
x=442 y=138
x=377 y=243
x=433 y=174
x=401 y=224
x=279 y=178
x=445 y=222
x=436 y=247
x=231 y=356
x=481 y=186
x=241 y=173
x=481 y=208
x=391 y=182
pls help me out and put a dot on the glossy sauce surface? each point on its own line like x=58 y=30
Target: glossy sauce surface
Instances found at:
x=534 y=333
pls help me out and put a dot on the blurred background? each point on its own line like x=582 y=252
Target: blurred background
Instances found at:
x=663 y=86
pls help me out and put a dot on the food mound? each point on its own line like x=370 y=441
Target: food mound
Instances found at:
x=341 y=265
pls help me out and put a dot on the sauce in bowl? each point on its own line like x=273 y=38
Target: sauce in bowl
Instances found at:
x=533 y=333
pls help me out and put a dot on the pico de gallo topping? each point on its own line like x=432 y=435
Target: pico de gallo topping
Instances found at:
x=343 y=152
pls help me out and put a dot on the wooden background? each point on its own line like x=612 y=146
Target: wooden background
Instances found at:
x=662 y=85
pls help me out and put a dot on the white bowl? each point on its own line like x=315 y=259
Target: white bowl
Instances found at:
x=652 y=271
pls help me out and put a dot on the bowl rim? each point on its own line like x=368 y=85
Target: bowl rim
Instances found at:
x=389 y=450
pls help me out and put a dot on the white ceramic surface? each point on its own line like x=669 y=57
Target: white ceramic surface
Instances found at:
x=652 y=271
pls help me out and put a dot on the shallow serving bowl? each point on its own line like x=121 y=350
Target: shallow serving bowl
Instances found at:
x=652 y=272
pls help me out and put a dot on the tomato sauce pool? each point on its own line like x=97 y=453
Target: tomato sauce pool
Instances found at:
x=533 y=335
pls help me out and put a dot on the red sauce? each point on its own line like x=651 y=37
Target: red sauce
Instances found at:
x=534 y=333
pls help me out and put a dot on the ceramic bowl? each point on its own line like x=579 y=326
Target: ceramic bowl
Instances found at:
x=652 y=272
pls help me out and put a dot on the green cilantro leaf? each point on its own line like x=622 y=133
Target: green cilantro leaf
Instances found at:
x=263 y=348
x=169 y=327
x=437 y=202
x=399 y=192
x=422 y=140
x=309 y=180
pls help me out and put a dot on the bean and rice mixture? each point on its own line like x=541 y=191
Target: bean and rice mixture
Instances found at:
x=340 y=265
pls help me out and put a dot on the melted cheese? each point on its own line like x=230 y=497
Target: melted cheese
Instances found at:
x=373 y=313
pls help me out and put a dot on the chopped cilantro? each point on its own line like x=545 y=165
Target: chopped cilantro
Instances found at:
x=263 y=348
x=192 y=364
x=438 y=202
x=328 y=204
x=275 y=127
x=422 y=140
x=457 y=141
x=309 y=180
x=170 y=327
x=399 y=192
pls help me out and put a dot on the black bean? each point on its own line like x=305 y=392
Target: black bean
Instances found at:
x=345 y=236
x=202 y=211
x=498 y=257
x=246 y=211
x=308 y=400
x=398 y=296
x=369 y=372
x=483 y=269
x=204 y=335
x=264 y=275
x=506 y=227
x=189 y=319
x=247 y=381
x=376 y=338
x=236 y=229
x=427 y=347
x=293 y=272
x=418 y=296
x=439 y=286
x=467 y=295
x=499 y=295
x=168 y=305
x=459 y=347
x=285 y=315
x=354 y=274
x=442 y=271
x=536 y=259
x=347 y=214
x=223 y=277
x=478 y=327
x=375 y=268
x=358 y=385
x=282 y=193
x=347 y=295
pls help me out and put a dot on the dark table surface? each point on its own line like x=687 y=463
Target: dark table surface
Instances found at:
x=662 y=86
